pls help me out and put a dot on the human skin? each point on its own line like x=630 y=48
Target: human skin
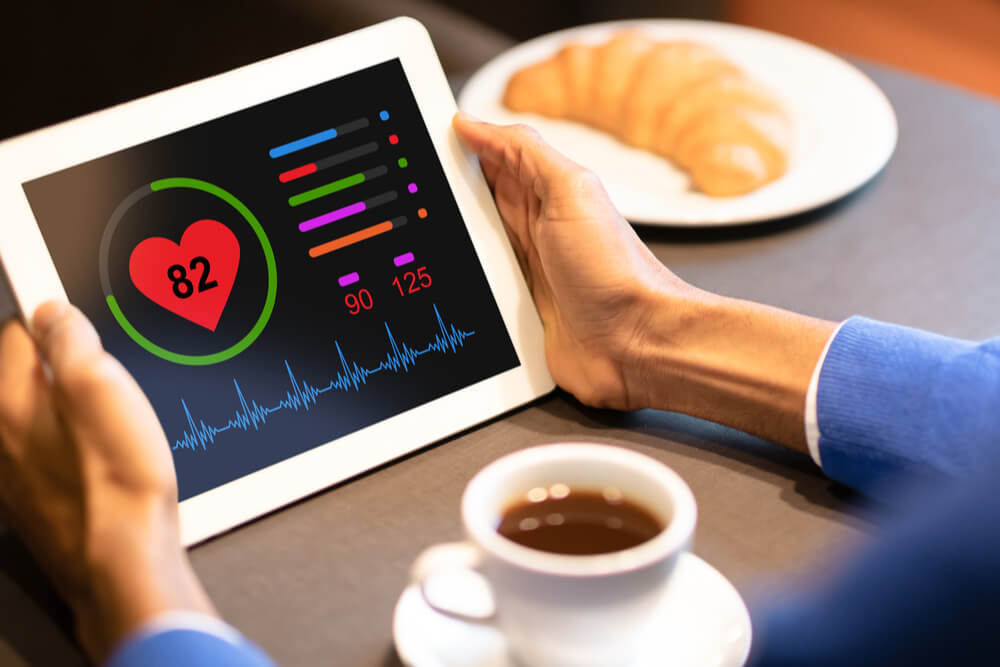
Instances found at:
x=621 y=330
x=86 y=477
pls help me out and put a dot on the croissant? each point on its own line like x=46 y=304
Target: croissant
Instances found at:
x=681 y=100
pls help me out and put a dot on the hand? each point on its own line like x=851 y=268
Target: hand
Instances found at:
x=621 y=330
x=593 y=280
x=87 y=480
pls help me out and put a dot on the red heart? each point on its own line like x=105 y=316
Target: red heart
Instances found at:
x=193 y=279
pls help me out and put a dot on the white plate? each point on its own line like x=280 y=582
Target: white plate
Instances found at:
x=845 y=129
x=702 y=623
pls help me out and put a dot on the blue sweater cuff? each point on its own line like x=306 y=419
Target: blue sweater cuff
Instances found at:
x=190 y=648
x=896 y=402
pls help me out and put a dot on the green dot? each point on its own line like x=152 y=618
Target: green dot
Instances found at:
x=402 y=162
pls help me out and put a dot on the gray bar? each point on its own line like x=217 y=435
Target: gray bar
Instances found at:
x=383 y=198
x=344 y=156
x=109 y=231
x=398 y=222
x=375 y=172
x=352 y=126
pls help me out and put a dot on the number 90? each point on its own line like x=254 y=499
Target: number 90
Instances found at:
x=357 y=302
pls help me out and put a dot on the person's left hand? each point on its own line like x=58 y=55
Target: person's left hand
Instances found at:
x=87 y=480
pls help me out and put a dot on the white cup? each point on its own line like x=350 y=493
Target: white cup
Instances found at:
x=561 y=610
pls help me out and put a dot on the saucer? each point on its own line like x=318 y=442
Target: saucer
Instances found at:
x=701 y=623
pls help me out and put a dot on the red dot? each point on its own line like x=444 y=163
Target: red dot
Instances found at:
x=393 y=139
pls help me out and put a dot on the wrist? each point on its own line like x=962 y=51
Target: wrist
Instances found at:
x=137 y=570
x=734 y=362
x=665 y=342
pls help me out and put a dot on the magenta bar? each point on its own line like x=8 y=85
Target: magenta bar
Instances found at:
x=403 y=260
x=348 y=279
x=332 y=216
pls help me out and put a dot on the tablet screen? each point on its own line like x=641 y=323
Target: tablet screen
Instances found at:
x=278 y=277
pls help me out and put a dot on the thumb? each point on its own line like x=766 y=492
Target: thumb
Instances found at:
x=64 y=335
x=518 y=149
x=96 y=393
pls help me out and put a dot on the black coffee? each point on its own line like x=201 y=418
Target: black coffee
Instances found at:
x=580 y=522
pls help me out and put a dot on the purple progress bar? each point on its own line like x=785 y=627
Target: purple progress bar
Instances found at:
x=403 y=260
x=348 y=279
x=341 y=213
x=332 y=216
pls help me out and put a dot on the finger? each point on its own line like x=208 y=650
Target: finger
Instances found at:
x=83 y=374
x=541 y=292
x=100 y=401
x=518 y=148
x=17 y=355
x=65 y=336
x=19 y=375
x=522 y=260
x=490 y=170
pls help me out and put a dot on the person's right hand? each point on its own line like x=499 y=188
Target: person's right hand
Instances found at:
x=622 y=331
x=593 y=280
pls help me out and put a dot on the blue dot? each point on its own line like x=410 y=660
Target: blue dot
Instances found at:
x=384 y=115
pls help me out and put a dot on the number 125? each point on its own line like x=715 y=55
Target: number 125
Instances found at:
x=414 y=282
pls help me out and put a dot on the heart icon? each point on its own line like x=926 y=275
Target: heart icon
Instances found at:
x=193 y=279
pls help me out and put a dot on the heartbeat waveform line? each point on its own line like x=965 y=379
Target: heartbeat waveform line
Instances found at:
x=400 y=358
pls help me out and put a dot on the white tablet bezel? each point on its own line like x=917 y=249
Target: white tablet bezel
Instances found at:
x=33 y=276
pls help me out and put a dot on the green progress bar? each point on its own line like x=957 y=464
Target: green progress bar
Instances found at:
x=336 y=186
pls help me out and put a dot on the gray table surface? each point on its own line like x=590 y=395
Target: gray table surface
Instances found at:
x=316 y=583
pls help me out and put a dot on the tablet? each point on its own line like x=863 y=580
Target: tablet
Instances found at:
x=297 y=260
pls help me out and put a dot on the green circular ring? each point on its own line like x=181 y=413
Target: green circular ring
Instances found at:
x=272 y=283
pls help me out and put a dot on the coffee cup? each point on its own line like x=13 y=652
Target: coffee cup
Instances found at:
x=587 y=608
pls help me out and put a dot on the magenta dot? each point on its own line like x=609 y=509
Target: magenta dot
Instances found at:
x=412 y=187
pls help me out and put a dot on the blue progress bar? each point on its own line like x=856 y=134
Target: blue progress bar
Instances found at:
x=304 y=142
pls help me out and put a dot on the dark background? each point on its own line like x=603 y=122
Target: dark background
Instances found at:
x=62 y=59
x=310 y=317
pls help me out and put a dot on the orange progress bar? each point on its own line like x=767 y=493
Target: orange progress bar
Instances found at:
x=351 y=239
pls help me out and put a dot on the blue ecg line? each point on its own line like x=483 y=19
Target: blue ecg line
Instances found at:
x=400 y=358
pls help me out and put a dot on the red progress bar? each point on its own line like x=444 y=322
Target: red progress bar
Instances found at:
x=298 y=172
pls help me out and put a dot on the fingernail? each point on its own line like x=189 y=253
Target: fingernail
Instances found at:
x=47 y=315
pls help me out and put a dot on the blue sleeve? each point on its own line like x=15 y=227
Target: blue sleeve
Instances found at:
x=189 y=648
x=896 y=403
x=926 y=594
